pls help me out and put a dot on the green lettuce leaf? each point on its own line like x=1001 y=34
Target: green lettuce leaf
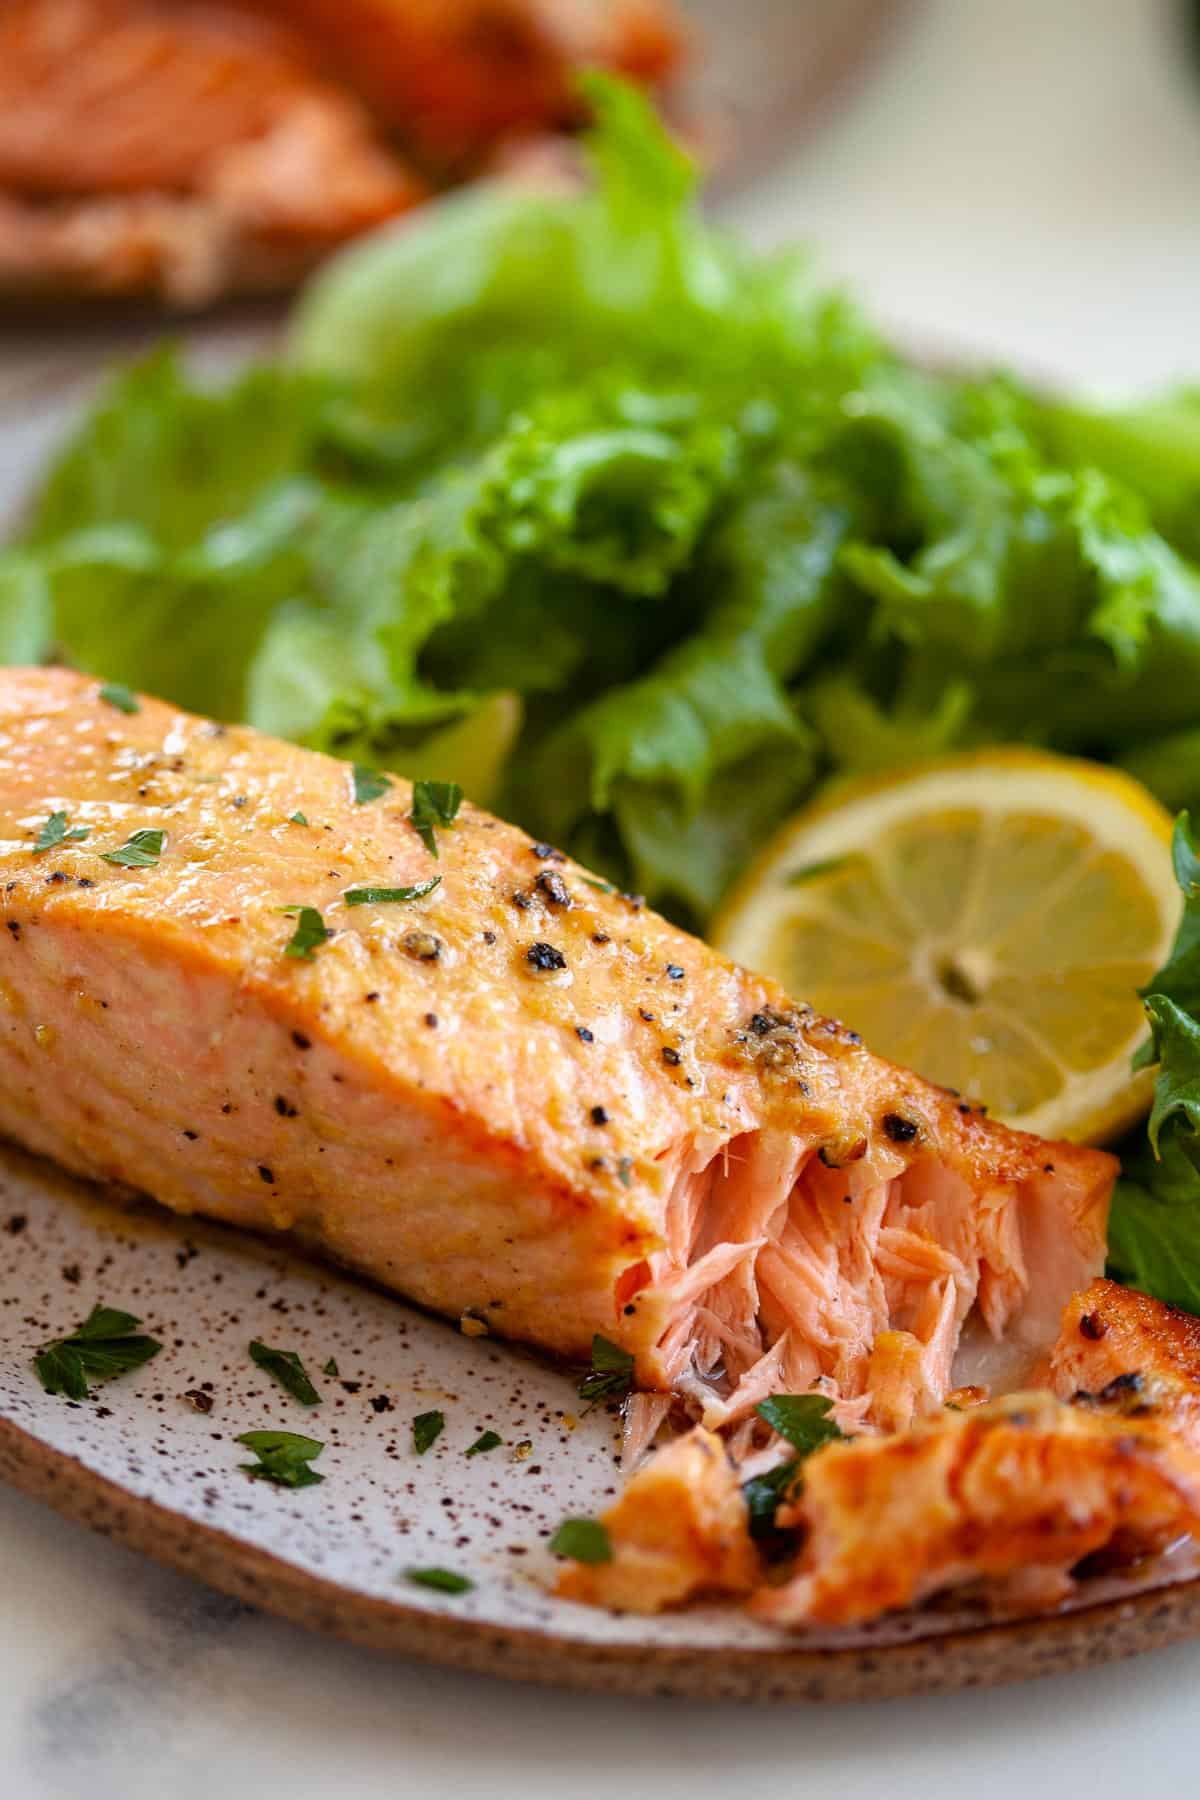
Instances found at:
x=674 y=753
x=1152 y=448
x=1154 y=1229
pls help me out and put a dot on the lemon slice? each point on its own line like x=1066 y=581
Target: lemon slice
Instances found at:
x=986 y=920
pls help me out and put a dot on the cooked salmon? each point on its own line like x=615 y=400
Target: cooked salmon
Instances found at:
x=191 y=148
x=1122 y=1352
x=518 y=1096
x=187 y=149
x=453 y=76
x=678 y=1532
x=1006 y=1499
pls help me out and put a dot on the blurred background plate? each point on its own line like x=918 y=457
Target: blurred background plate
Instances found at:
x=768 y=72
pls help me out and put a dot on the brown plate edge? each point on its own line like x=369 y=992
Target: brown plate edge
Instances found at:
x=986 y=1657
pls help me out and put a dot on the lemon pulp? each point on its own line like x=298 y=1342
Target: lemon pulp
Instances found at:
x=986 y=920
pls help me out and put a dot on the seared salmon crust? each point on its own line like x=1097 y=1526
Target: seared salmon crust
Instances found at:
x=519 y=1095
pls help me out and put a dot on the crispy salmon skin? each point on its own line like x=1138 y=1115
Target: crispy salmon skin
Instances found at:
x=517 y=1095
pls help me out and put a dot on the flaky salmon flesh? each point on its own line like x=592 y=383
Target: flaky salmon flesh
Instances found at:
x=520 y=1098
x=1011 y=1501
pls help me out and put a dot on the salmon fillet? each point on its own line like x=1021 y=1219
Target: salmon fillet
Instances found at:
x=1013 y=1495
x=1006 y=1499
x=520 y=1096
x=1123 y=1352
x=677 y=1532
x=184 y=149
x=191 y=148
x=453 y=76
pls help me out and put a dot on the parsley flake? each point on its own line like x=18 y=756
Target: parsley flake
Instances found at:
x=54 y=832
x=444 y=1581
x=311 y=931
x=118 y=695
x=765 y=1494
x=329 y=1368
x=487 y=1440
x=297 y=818
x=288 y=1371
x=427 y=1428
x=381 y=896
x=803 y=1419
x=108 y=1343
x=283 y=1457
x=583 y=1540
x=611 y=1374
x=434 y=803
x=369 y=784
x=601 y=887
x=141 y=851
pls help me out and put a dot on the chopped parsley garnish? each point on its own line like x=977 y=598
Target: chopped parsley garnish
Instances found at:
x=141 y=851
x=329 y=1368
x=54 y=832
x=118 y=695
x=445 y=1581
x=765 y=1494
x=107 y=1343
x=297 y=818
x=427 y=1428
x=487 y=1440
x=611 y=1373
x=601 y=887
x=625 y=1171
x=311 y=931
x=381 y=896
x=583 y=1540
x=434 y=803
x=369 y=784
x=803 y=1419
x=288 y=1371
x=283 y=1457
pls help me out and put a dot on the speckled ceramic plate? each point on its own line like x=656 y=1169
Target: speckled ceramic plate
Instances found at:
x=152 y=1461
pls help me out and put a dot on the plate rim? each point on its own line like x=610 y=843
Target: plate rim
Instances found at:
x=985 y=1656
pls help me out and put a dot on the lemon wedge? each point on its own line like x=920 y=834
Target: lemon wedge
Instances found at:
x=986 y=920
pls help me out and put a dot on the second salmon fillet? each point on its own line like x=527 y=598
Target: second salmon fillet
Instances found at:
x=518 y=1098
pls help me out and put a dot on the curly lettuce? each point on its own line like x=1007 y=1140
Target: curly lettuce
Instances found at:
x=1154 y=1234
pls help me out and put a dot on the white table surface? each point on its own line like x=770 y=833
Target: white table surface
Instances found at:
x=1021 y=177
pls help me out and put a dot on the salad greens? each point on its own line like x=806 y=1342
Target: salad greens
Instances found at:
x=1154 y=1233
x=573 y=503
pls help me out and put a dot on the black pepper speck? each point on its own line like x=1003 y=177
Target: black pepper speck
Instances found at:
x=544 y=958
x=553 y=889
x=899 y=1129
